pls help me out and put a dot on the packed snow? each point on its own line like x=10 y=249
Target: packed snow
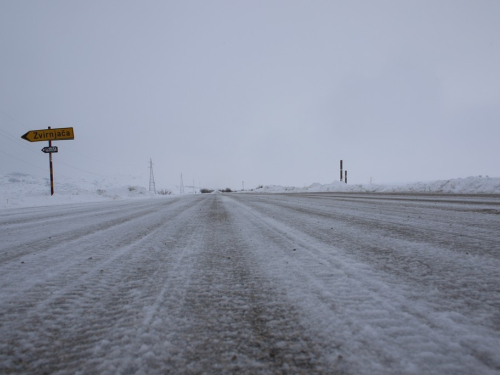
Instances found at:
x=252 y=283
x=114 y=279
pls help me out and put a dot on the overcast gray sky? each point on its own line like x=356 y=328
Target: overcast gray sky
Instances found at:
x=269 y=92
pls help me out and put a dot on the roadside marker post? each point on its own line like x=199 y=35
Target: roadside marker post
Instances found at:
x=61 y=134
x=51 y=171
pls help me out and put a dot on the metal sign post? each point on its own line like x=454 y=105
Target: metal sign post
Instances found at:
x=61 y=134
x=51 y=170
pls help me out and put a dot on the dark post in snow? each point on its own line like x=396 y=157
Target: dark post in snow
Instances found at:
x=345 y=178
x=341 y=170
x=51 y=171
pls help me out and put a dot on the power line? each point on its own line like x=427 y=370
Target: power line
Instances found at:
x=63 y=162
x=97 y=160
x=14 y=138
x=20 y=143
x=12 y=118
x=44 y=169
x=79 y=169
x=24 y=161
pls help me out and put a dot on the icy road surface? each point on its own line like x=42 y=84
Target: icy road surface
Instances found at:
x=247 y=283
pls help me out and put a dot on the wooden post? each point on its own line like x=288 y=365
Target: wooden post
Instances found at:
x=341 y=170
x=345 y=178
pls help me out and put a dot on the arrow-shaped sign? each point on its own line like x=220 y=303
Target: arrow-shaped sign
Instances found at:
x=60 y=134
x=50 y=150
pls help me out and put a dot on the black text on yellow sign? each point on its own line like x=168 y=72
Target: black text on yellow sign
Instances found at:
x=60 y=134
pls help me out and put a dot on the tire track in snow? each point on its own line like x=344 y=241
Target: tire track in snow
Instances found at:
x=64 y=229
x=33 y=215
x=83 y=255
x=392 y=217
x=101 y=310
x=466 y=276
x=362 y=303
x=235 y=321
x=211 y=284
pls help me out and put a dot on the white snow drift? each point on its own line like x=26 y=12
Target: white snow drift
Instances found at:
x=469 y=185
x=23 y=190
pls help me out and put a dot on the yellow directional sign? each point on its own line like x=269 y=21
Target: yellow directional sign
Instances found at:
x=61 y=134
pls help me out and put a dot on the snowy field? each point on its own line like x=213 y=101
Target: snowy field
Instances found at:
x=469 y=185
x=330 y=283
x=23 y=190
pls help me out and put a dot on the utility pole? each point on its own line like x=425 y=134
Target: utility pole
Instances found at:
x=181 y=187
x=152 y=186
x=341 y=170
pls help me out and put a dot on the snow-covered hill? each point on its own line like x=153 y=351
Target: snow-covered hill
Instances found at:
x=469 y=185
x=23 y=190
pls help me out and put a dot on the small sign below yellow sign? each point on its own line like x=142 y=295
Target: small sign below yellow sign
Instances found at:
x=61 y=134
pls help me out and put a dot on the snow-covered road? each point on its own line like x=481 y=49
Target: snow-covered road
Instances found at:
x=253 y=283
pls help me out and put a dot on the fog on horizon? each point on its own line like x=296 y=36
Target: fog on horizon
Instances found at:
x=266 y=92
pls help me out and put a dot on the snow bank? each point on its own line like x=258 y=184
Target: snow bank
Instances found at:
x=469 y=185
x=23 y=190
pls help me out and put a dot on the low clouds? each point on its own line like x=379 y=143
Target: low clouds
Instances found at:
x=266 y=92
